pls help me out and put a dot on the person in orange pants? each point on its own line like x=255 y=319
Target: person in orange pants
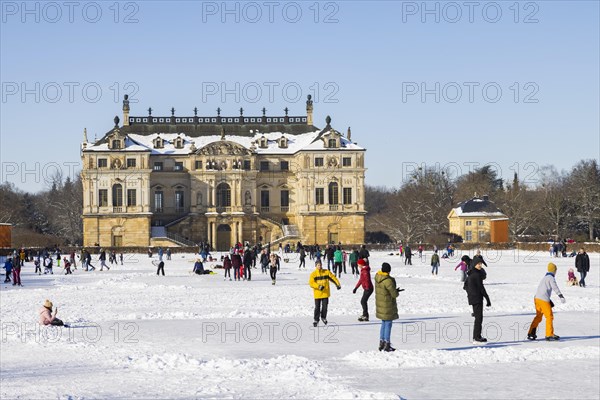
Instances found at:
x=543 y=305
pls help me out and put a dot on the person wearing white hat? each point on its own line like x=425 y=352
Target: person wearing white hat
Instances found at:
x=47 y=317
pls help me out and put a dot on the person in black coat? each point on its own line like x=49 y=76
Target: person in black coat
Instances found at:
x=476 y=293
x=477 y=258
x=582 y=263
x=407 y=255
x=248 y=257
x=363 y=253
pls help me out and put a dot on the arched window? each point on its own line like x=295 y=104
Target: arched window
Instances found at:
x=117 y=195
x=333 y=193
x=223 y=195
x=332 y=143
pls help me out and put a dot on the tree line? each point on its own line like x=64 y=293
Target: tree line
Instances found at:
x=46 y=218
x=559 y=204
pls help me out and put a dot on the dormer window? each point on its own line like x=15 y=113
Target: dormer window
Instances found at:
x=179 y=142
x=116 y=144
x=263 y=143
x=332 y=143
x=283 y=142
x=158 y=143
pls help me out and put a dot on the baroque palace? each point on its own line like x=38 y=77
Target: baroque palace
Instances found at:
x=172 y=181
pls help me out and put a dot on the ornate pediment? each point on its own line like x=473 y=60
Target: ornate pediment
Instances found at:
x=223 y=148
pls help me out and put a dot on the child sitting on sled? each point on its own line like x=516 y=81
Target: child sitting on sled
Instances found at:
x=572 y=279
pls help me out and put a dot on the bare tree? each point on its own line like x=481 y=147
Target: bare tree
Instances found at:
x=583 y=186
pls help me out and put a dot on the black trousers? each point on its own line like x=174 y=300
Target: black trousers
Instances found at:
x=478 y=312
x=364 y=302
x=354 y=268
x=273 y=272
x=248 y=272
x=337 y=268
x=408 y=260
x=302 y=263
x=321 y=308
x=160 y=269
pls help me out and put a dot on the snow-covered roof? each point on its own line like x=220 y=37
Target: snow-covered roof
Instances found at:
x=295 y=143
x=477 y=207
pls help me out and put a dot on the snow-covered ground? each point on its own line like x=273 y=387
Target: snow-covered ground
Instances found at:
x=136 y=335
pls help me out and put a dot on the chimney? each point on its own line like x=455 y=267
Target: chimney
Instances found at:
x=126 y=110
x=309 y=110
x=486 y=197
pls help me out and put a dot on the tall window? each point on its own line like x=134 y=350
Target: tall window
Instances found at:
x=333 y=193
x=468 y=236
x=285 y=198
x=332 y=143
x=320 y=196
x=247 y=165
x=103 y=197
x=198 y=165
x=158 y=201
x=481 y=235
x=131 y=197
x=116 y=144
x=223 y=195
x=318 y=161
x=347 y=196
x=117 y=195
x=264 y=198
x=179 y=200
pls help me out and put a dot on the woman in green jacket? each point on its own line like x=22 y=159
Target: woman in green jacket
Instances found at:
x=385 y=305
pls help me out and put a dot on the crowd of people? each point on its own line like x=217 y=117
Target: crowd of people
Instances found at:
x=330 y=262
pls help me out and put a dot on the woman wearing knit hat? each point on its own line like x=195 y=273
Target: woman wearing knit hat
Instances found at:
x=386 y=308
x=47 y=317
x=543 y=305
x=367 y=285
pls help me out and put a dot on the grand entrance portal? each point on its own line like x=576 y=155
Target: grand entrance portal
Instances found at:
x=223 y=237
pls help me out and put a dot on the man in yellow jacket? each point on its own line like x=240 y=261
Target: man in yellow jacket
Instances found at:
x=319 y=281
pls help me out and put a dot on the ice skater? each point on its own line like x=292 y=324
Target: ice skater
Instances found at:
x=367 y=285
x=476 y=293
x=386 y=308
x=543 y=305
x=319 y=281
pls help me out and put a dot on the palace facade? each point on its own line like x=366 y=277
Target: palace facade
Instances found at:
x=181 y=180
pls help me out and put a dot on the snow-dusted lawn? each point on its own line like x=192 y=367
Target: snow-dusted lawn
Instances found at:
x=136 y=335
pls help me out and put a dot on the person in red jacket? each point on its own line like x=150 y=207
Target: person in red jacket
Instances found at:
x=236 y=263
x=367 y=285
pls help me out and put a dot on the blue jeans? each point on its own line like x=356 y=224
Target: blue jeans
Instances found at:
x=434 y=268
x=582 y=280
x=386 y=330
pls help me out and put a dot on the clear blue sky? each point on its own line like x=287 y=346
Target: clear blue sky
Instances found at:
x=369 y=62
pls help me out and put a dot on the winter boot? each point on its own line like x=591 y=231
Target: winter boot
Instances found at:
x=315 y=323
x=381 y=344
x=553 y=338
x=532 y=335
x=388 y=347
x=324 y=321
x=479 y=340
x=363 y=318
